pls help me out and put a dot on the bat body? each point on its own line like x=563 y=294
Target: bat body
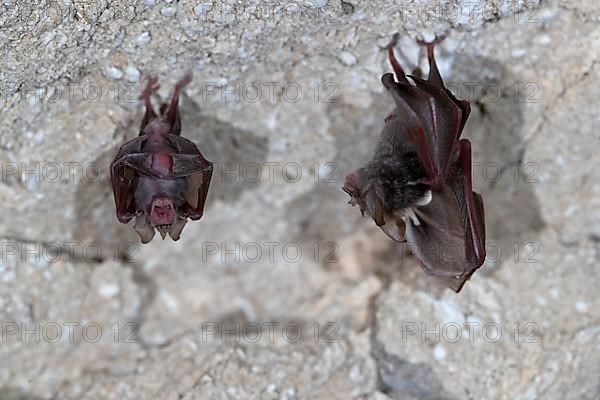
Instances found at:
x=160 y=178
x=417 y=187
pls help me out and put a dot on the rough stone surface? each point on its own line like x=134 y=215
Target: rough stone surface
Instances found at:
x=86 y=312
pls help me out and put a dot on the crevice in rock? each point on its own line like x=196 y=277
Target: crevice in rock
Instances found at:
x=51 y=250
x=555 y=102
x=148 y=290
x=399 y=378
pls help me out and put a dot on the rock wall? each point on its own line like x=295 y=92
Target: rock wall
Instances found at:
x=287 y=99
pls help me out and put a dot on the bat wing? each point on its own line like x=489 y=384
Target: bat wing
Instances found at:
x=433 y=117
x=438 y=241
x=186 y=163
x=183 y=145
x=122 y=173
x=444 y=241
x=197 y=170
x=432 y=125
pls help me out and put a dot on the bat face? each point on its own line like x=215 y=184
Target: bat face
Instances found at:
x=417 y=188
x=160 y=178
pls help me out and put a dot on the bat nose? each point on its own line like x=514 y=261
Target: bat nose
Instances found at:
x=162 y=212
x=163 y=215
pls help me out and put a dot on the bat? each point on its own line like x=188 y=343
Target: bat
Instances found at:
x=160 y=177
x=417 y=187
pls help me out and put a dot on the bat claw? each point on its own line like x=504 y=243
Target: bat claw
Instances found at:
x=436 y=40
x=394 y=41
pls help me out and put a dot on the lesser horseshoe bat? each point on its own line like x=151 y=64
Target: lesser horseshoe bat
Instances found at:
x=417 y=187
x=160 y=177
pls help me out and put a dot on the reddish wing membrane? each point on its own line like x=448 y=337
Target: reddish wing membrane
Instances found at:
x=434 y=118
x=194 y=167
x=198 y=173
x=449 y=237
x=190 y=163
x=166 y=172
x=443 y=241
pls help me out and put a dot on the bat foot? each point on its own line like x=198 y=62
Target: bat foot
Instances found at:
x=151 y=88
x=187 y=78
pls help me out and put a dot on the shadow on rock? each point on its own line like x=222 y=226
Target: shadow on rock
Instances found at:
x=401 y=379
x=229 y=148
x=16 y=394
x=323 y=214
x=495 y=127
x=235 y=153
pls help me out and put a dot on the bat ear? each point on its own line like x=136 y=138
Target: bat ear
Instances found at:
x=143 y=228
x=177 y=228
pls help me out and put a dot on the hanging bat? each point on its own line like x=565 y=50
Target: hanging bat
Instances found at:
x=417 y=187
x=160 y=178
